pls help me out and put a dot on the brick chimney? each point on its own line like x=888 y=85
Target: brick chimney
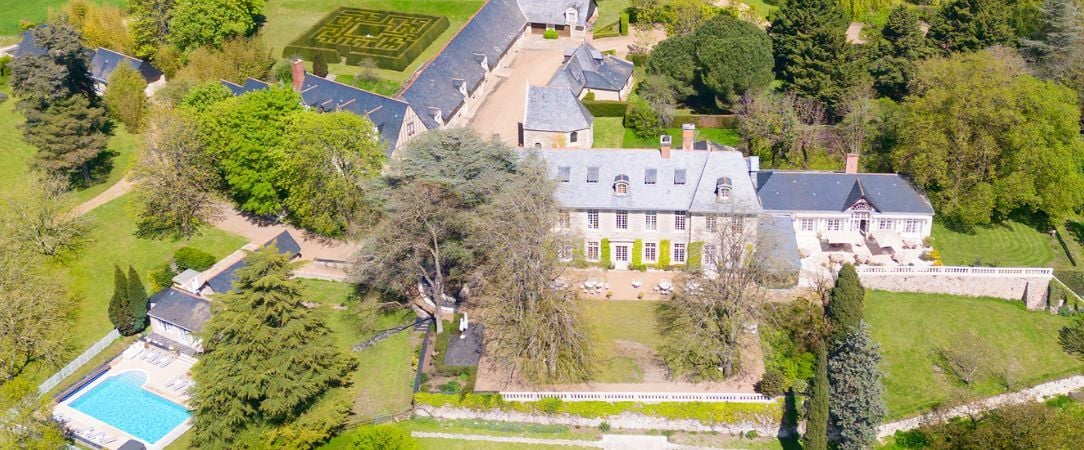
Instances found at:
x=664 y=146
x=688 y=136
x=297 y=74
x=852 y=163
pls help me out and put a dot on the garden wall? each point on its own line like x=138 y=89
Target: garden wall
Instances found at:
x=1026 y=284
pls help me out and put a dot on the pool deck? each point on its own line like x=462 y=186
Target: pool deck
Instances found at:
x=158 y=379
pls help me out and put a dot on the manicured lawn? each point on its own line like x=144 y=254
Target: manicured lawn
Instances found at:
x=609 y=11
x=1009 y=244
x=383 y=87
x=614 y=326
x=910 y=327
x=725 y=136
x=123 y=148
x=609 y=133
x=12 y=11
x=384 y=379
x=113 y=241
x=478 y=427
x=288 y=19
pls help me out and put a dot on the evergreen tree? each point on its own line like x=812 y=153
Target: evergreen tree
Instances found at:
x=816 y=426
x=856 y=406
x=1057 y=47
x=149 y=25
x=812 y=55
x=119 y=307
x=903 y=45
x=137 y=301
x=970 y=25
x=845 y=303
x=319 y=65
x=266 y=358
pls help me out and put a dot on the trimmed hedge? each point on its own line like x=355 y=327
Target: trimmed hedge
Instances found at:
x=606 y=108
x=707 y=413
x=695 y=258
x=1073 y=279
x=624 y=27
x=637 y=59
x=707 y=120
x=307 y=48
x=193 y=258
x=664 y=255
x=637 y=256
x=604 y=254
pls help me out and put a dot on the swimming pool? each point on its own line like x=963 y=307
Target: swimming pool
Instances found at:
x=121 y=402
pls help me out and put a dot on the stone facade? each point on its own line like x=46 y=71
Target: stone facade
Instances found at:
x=554 y=139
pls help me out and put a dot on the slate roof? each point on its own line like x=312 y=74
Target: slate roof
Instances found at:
x=286 y=244
x=777 y=244
x=586 y=67
x=490 y=33
x=223 y=281
x=179 y=308
x=105 y=62
x=28 y=46
x=324 y=95
x=837 y=192
x=553 y=11
x=555 y=109
x=696 y=194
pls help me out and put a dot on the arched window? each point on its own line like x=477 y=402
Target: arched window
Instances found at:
x=573 y=137
x=723 y=186
x=621 y=185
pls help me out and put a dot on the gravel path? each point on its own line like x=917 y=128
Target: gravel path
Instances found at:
x=609 y=441
x=120 y=188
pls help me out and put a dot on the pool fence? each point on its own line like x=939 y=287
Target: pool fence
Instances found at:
x=78 y=362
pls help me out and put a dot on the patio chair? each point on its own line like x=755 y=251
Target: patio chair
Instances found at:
x=174 y=382
x=107 y=439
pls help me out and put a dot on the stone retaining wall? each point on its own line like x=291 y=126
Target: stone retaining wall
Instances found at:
x=1030 y=289
x=625 y=420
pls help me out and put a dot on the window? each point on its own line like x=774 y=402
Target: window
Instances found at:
x=573 y=137
x=621 y=189
x=712 y=224
x=833 y=224
x=679 y=176
x=621 y=253
x=808 y=225
x=710 y=255
x=592 y=250
x=651 y=251
x=886 y=224
x=564 y=220
x=912 y=226
x=679 y=220
x=410 y=129
x=622 y=220
x=592 y=174
x=650 y=176
x=564 y=174
x=679 y=253
x=722 y=188
x=537 y=145
x=650 y=218
x=592 y=219
x=565 y=252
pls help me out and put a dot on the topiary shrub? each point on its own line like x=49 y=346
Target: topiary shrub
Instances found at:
x=193 y=258
x=664 y=255
x=624 y=24
x=604 y=254
x=550 y=34
x=605 y=108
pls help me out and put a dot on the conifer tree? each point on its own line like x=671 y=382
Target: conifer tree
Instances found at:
x=1058 y=47
x=816 y=427
x=856 y=406
x=319 y=65
x=118 y=305
x=266 y=357
x=970 y=25
x=845 y=305
x=903 y=45
x=137 y=301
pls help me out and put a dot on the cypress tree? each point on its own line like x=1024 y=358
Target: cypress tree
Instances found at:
x=118 y=305
x=816 y=426
x=970 y=25
x=319 y=65
x=266 y=356
x=856 y=405
x=137 y=301
x=845 y=304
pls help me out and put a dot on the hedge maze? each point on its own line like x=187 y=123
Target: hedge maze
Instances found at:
x=390 y=39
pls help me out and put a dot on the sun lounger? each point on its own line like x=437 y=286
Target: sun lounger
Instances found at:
x=183 y=384
x=107 y=440
x=149 y=355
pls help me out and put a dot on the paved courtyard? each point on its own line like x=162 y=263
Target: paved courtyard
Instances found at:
x=502 y=110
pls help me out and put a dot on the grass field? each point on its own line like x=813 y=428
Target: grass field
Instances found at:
x=477 y=427
x=615 y=325
x=288 y=19
x=12 y=11
x=911 y=327
x=1009 y=244
x=113 y=241
x=610 y=133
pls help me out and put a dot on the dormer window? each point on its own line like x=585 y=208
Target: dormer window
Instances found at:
x=571 y=16
x=564 y=173
x=650 y=175
x=723 y=187
x=437 y=116
x=679 y=176
x=592 y=174
x=483 y=60
x=460 y=84
x=621 y=185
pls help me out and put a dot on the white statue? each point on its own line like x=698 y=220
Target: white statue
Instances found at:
x=463 y=326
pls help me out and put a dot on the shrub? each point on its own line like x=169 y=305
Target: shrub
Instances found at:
x=451 y=387
x=605 y=108
x=637 y=255
x=5 y=69
x=624 y=28
x=637 y=59
x=604 y=426
x=696 y=256
x=550 y=34
x=383 y=437
x=193 y=258
x=664 y=255
x=550 y=405
x=162 y=278
x=589 y=97
x=1071 y=337
x=771 y=384
x=643 y=120
x=604 y=254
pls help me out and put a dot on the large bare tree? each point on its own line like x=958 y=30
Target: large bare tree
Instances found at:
x=704 y=321
x=38 y=217
x=33 y=316
x=532 y=320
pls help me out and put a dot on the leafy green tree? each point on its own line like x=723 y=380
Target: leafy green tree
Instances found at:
x=266 y=357
x=971 y=25
x=846 y=302
x=643 y=120
x=23 y=426
x=986 y=139
x=332 y=163
x=675 y=57
x=856 y=405
x=34 y=325
x=137 y=300
x=236 y=60
x=903 y=46
x=1071 y=337
x=124 y=99
x=198 y=23
x=37 y=217
x=816 y=425
x=120 y=311
x=202 y=97
x=247 y=136
x=148 y=23
x=812 y=55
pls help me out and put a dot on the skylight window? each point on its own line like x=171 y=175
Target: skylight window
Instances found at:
x=679 y=176
x=592 y=174
x=564 y=173
x=650 y=176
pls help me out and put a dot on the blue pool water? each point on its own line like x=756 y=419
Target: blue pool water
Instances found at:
x=122 y=402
